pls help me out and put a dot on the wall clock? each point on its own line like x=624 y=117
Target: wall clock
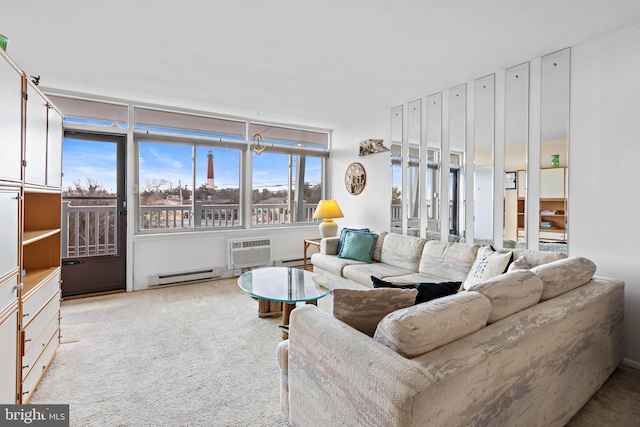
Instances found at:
x=355 y=178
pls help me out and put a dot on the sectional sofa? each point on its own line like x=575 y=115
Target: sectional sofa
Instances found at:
x=528 y=347
x=406 y=259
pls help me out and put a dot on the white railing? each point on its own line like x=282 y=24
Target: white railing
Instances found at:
x=89 y=230
x=93 y=230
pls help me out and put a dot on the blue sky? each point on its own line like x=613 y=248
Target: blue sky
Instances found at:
x=89 y=159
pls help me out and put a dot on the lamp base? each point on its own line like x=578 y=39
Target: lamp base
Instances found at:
x=328 y=228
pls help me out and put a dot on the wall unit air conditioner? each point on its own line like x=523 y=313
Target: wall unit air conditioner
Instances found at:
x=249 y=252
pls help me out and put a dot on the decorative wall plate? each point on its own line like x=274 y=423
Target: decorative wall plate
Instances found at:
x=355 y=178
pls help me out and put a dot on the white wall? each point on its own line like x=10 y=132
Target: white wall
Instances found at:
x=604 y=202
x=178 y=252
x=604 y=153
x=371 y=208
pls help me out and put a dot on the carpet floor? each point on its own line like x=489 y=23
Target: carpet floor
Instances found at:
x=199 y=355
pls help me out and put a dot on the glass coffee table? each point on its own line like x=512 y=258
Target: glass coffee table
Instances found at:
x=283 y=285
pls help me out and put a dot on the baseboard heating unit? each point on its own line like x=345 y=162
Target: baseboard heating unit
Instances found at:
x=249 y=252
x=294 y=263
x=183 y=276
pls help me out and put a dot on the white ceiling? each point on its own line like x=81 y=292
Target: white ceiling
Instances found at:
x=316 y=63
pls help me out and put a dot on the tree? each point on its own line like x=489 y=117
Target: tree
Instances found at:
x=155 y=185
x=396 y=196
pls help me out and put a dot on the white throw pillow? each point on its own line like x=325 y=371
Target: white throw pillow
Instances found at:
x=488 y=264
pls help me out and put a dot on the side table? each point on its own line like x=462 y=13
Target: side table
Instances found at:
x=309 y=242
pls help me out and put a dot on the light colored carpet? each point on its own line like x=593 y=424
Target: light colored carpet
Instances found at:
x=189 y=355
x=199 y=355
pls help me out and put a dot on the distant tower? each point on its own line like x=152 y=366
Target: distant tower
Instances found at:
x=210 y=171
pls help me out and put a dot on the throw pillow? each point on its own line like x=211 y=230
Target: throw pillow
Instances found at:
x=343 y=233
x=362 y=309
x=431 y=291
x=426 y=291
x=358 y=246
x=488 y=264
x=379 y=283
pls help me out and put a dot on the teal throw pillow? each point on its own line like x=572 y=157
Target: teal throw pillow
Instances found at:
x=343 y=233
x=358 y=246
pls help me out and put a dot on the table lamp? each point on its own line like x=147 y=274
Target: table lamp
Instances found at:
x=327 y=210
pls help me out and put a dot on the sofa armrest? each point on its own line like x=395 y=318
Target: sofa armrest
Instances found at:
x=329 y=245
x=337 y=374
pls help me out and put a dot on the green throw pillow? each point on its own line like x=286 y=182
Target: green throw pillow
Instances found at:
x=358 y=246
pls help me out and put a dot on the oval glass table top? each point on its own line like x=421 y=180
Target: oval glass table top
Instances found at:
x=284 y=284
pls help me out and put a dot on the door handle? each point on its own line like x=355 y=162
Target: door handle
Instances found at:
x=71 y=262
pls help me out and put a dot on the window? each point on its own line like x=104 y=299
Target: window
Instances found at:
x=191 y=166
x=396 y=185
x=168 y=176
x=288 y=176
x=433 y=185
x=286 y=187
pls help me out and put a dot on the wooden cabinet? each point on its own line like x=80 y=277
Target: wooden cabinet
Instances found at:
x=521 y=219
x=553 y=205
x=40 y=330
x=521 y=206
x=30 y=213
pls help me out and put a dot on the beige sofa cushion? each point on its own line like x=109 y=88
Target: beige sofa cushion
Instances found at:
x=510 y=292
x=564 y=275
x=402 y=251
x=451 y=261
x=362 y=309
x=519 y=263
x=535 y=258
x=415 y=330
x=361 y=273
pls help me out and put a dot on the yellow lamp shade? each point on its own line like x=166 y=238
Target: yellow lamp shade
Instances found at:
x=328 y=209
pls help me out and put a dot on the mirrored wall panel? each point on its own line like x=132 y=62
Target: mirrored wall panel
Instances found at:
x=396 y=169
x=554 y=132
x=434 y=147
x=414 y=134
x=457 y=142
x=516 y=136
x=484 y=137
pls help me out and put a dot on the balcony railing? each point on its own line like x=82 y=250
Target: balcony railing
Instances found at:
x=89 y=230
x=93 y=230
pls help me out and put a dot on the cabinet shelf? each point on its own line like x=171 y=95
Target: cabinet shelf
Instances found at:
x=36 y=276
x=32 y=236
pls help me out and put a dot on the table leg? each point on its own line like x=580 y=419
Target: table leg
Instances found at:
x=268 y=308
x=287 y=308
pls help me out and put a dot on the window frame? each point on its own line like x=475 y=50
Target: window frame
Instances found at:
x=289 y=151
x=193 y=142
